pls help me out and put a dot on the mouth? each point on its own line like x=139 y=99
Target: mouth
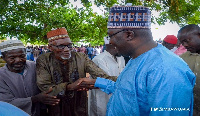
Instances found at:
x=66 y=56
x=18 y=65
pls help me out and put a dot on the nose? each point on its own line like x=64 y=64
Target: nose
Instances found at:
x=17 y=59
x=66 y=49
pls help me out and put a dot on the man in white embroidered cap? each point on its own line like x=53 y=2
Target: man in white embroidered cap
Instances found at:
x=155 y=82
x=18 y=80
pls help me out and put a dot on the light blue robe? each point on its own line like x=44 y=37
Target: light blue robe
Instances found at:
x=156 y=83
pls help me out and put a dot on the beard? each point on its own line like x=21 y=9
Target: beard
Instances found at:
x=18 y=69
x=66 y=58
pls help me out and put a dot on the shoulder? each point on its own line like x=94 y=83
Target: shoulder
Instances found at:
x=162 y=57
x=101 y=56
x=44 y=56
x=79 y=54
x=30 y=64
x=186 y=54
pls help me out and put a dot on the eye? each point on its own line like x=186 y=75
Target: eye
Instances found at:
x=69 y=46
x=12 y=57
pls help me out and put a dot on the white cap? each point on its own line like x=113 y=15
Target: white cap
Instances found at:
x=10 y=45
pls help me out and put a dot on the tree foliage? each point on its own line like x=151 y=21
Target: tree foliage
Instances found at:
x=30 y=20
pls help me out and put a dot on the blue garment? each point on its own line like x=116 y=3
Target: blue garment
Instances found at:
x=10 y=110
x=89 y=50
x=153 y=84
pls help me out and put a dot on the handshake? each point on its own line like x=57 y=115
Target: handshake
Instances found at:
x=82 y=84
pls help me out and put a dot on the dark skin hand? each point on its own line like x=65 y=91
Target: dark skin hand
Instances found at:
x=45 y=98
x=82 y=84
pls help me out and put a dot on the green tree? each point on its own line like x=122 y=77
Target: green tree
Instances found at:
x=30 y=20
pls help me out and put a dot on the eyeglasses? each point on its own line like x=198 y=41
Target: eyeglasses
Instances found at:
x=63 y=46
x=115 y=33
x=109 y=36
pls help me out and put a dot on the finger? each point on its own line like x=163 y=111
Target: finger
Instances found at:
x=50 y=96
x=51 y=103
x=79 y=81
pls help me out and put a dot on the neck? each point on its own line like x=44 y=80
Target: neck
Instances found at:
x=143 y=48
x=114 y=56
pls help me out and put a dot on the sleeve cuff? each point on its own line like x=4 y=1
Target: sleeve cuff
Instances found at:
x=101 y=83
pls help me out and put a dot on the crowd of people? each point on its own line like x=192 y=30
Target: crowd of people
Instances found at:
x=32 y=53
x=159 y=78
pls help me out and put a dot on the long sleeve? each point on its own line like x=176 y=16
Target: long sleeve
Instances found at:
x=6 y=95
x=44 y=79
x=95 y=71
x=105 y=85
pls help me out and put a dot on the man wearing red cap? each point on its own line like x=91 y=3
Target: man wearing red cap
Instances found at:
x=170 y=41
x=60 y=69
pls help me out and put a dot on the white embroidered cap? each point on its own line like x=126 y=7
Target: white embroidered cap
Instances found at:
x=11 y=45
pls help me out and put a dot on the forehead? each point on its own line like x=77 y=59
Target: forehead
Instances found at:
x=111 y=31
x=15 y=52
x=61 y=41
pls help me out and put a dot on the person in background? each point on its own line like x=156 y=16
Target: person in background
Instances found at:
x=101 y=47
x=61 y=70
x=159 y=41
x=96 y=51
x=28 y=53
x=90 y=51
x=36 y=53
x=189 y=36
x=112 y=63
x=18 y=80
x=82 y=49
x=170 y=42
x=45 y=50
x=155 y=81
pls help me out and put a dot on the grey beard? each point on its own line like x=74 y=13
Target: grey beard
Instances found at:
x=66 y=58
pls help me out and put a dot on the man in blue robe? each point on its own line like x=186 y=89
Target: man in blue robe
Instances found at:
x=155 y=82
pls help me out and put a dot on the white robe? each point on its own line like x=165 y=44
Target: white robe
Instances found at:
x=97 y=100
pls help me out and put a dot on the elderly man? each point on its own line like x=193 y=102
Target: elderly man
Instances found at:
x=18 y=80
x=155 y=81
x=189 y=36
x=112 y=63
x=170 y=42
x=60 y=69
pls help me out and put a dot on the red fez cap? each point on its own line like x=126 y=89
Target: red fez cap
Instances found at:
x=57 y=34
x=171 y=39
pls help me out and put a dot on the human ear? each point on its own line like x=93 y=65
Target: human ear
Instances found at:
x=130 y=35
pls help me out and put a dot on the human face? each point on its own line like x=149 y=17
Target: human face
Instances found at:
x=61 y=48
x=168 y=45
x=117 y=40
x=191 y=42
x=16 y=60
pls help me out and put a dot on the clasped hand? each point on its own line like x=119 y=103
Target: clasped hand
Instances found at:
x=82 y=84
